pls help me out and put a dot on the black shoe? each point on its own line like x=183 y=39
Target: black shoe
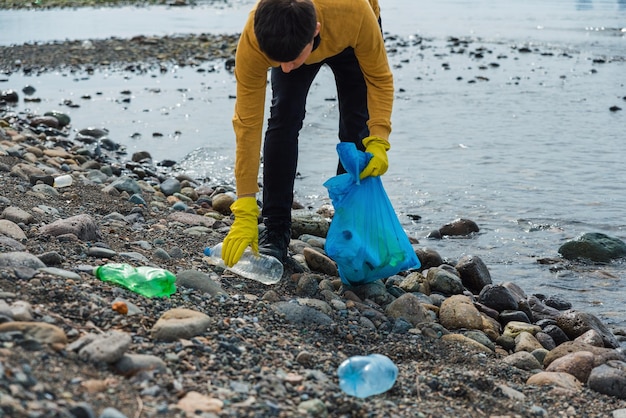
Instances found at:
x=274 y=241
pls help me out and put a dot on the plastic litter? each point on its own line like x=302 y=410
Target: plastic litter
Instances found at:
x=262 y=268
x=147 y=281
x=365 y=237
x=364 y=376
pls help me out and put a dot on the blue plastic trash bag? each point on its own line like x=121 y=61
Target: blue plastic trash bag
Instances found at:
x=365 y=237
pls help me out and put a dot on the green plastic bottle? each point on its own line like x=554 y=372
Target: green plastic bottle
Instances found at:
x=147 y=281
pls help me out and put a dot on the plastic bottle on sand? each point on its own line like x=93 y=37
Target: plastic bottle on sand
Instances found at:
x=62 y=181
x=364 y=376
x=262 y=268
x=147 y=281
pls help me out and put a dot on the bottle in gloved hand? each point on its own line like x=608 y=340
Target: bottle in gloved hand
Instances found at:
x=262 y=268
x=147 y=281
x=364 y=376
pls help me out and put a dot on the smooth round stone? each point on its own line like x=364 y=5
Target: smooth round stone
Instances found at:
x=556 y=334
x=101 y=252
x=474 y=272
x=513 y=316
x=609 y=380
x=170 y=186
x=562 y=380
x=180 y=323
x=497 y=297
x=63 y=118
x=459 y=312
x=60 y=273
x=513 y=329
x=523 y=360
x=222 y=203
x=180 y=206
x=578 y=364
x=137 y=199
x=442 y=281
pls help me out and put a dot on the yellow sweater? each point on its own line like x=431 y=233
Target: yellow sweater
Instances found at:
x=344 y=23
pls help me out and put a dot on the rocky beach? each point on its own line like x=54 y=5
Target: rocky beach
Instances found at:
x=72 y=345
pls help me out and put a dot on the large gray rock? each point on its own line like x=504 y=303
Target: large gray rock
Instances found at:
x=595 y=247
x=126 y=184
x=497 y=297
x=306 y=222
x=442 y=281
x=523 y=360
x=609 y=379
x=540 y=310
x=474 y=273
x=428 y=258
x=107 y=348
x=197 y=280
x=409 y=308
x=180 y=323
x=20 y=259
x=459 y=227
x=11 y=244
x=458 y=312
x=11 y=230
x=302 y=314
x=170 y=186
x=41 y=332
x=575 y=323
x=82 y=226
x=17 y=215
x=131 y=364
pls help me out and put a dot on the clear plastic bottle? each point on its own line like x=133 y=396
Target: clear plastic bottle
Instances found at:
x=62 y=181
x=364 y=376
x=262 y=268
x=147 y=281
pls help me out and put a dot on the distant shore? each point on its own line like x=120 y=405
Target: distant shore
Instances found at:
x=51 y=4
x=86 y=55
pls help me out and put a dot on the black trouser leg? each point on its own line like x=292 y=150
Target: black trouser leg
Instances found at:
x=287 y=111
x=352 y=96
x=280 y=150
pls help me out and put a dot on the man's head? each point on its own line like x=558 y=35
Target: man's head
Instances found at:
x=284 y=28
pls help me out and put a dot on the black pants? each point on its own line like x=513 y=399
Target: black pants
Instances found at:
x=280 y=151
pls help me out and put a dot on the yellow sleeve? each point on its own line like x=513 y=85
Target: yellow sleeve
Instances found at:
x=370 y=51
x=251 y=70
x=251 y=67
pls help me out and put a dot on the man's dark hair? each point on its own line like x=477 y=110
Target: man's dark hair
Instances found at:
x=284 y=27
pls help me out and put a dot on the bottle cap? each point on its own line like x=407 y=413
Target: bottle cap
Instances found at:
x=207 y=251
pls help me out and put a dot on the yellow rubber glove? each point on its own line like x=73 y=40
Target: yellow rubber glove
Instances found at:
x=378 y=165
x=244 y=232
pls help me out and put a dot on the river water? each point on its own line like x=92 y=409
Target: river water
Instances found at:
x=523 y=143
